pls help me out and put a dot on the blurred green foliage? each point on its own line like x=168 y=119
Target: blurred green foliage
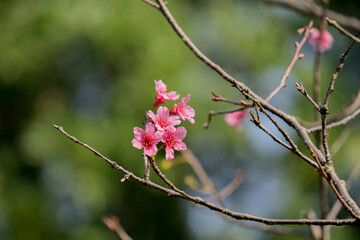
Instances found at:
x=90 y=66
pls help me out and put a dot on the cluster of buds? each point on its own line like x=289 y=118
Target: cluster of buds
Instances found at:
x=160 y=127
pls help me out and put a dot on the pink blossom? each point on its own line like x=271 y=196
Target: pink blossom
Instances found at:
x=172 y=139
x=326 y=40
x=162 y=120
x=162 y=95
x=236 y=119
x=146 y=139
x=184 y=111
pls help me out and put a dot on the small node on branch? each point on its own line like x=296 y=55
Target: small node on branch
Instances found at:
x=301 y=56
x=301 y=30
x=125 y=178
x=324 y=110
x=242 y=102
x=254 y=119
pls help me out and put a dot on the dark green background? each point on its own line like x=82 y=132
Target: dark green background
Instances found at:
x=90 y=66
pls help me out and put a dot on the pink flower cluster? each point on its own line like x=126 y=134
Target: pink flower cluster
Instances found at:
x=325 y=42
x=160 y=127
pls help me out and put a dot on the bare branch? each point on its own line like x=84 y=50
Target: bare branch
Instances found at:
x=309 y=7
x=316 y=231
x=218 y=98
x=324 y=108
x=294 y=148
x=200 y=201
x=297 y=56
x=337 y=205
x=334 y=76
x=336 y=124
x=342 y=30
x=202 y=175
x=324 y=139
x=276 y=139
x=152 y=4
x=113 y=223
x=327 y=175
x=301 y=89
x=349 y=109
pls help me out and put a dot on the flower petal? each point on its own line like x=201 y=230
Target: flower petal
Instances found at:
x=158 y=136
x=138 y=133
x=173 y=121
x=169 y=153
x=160 y=87
x=172 y=95
x=180 y=133
x=149 y=129
x=150 y=150
x=136 y=144
x=151 y=115
x=162 y=113
x=179 y=146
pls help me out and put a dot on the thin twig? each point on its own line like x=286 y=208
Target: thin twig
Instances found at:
x=324 y=139
x=324 y=111
x=342 y=30
x=168 y=182
x=202 y=175
x=301 y=89
x=334 y=76
x=294 y=148
x=113 y=223
x=218 y=98
x=152 y=3
x=297 y=56
x=337 y=205
x=349 y=109
x=316 y=231
x=320 y=167
x=336 y=124
x=309 y=7
x=125 y=178
x=324 y=108
x=326 y=176
x=259 y=125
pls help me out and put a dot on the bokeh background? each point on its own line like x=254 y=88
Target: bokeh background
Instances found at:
x=90 y=67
